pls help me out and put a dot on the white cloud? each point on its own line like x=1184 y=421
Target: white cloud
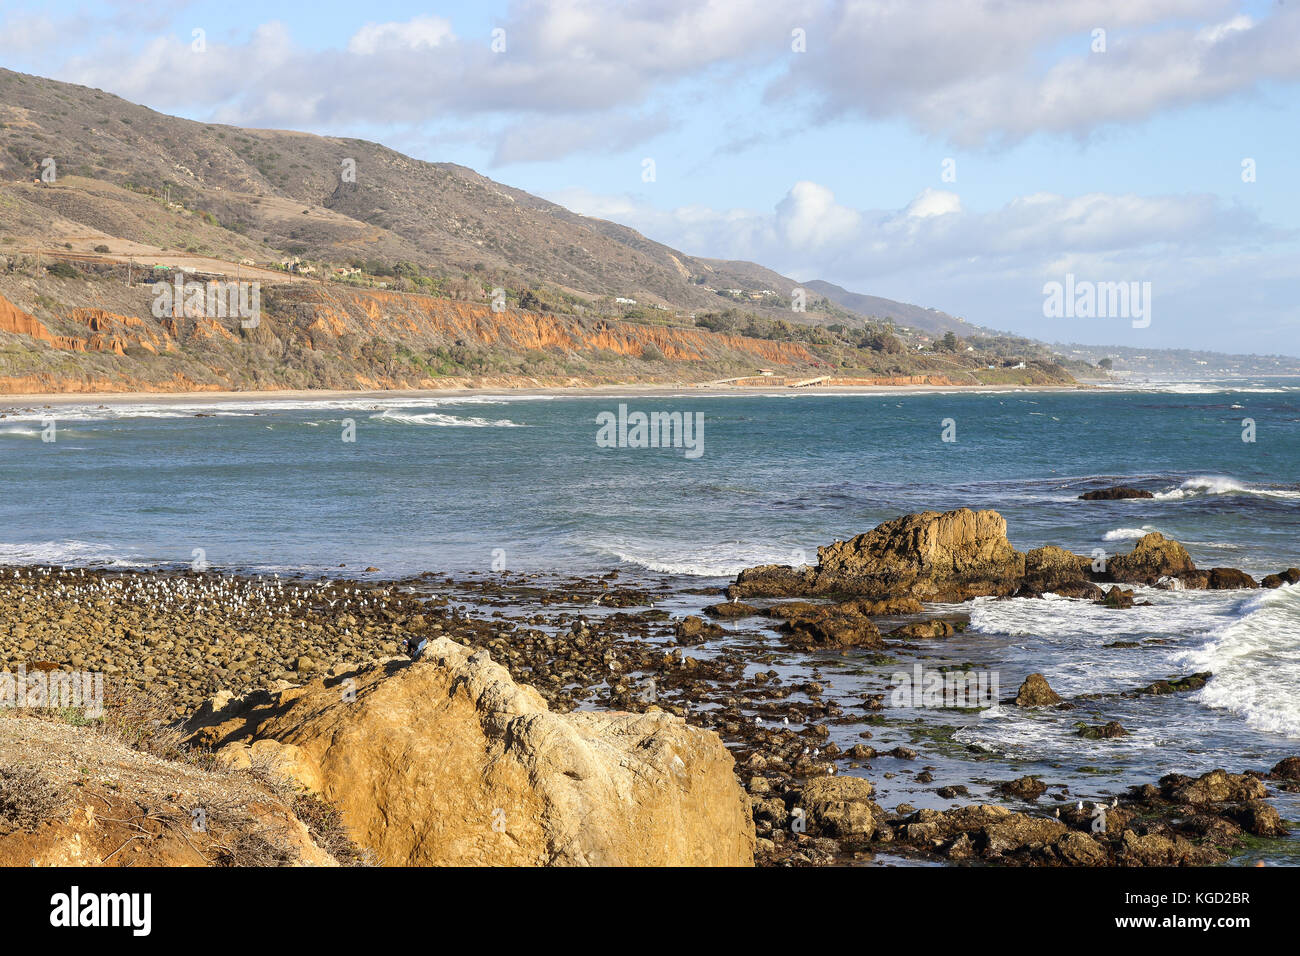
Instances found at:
x=993 y=73
x=420 y=33
x=990 y=265
x=809 y=217
x=973 y=73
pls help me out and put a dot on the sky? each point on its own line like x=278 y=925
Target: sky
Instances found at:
x=957 y=154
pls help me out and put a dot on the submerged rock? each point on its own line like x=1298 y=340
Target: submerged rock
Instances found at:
x=1115 y=493
x=1118 y=598
x=830 y=625
x=1230 y=579
x=447 y=761
x=922 y=630
x=1289 y=576
x=1025 y=788
x=1105 y=731
x=731 y=610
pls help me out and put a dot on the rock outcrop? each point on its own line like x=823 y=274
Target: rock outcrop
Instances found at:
x=964 y=554
x=1152 y=558
x=1036 y=692
x=930 y=556
x=447 y=761
x=1117 y=493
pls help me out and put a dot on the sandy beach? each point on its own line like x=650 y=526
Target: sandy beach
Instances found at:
x=28 y=399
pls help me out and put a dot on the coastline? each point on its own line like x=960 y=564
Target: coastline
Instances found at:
x=576 y=391
x=871 y=789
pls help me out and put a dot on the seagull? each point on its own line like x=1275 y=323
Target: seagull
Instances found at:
x=1079 y=806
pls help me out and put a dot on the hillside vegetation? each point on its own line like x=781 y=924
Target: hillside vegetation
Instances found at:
x=379 y=270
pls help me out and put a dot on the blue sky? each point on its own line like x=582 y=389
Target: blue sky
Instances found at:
x=1114 y=164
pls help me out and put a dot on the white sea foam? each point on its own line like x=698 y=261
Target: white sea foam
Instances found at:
x=1127 y=534
x=242 y=409
x=62 y=552
x=1221 y=485
x=698 y=560
x=1255 y=663
x=442 y=420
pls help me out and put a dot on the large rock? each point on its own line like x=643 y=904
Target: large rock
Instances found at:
x=1152 y=558
x=1229 y=579
x=997 y=829
x=841 y=806
x=1217 y=786
x=929 y=556
x=1054 y=569
x=1036 y=692
x=830 y=625
x=447 y=761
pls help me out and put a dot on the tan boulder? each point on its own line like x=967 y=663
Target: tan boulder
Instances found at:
x=841 y=806
x=1152 y=558
x=447 y=761
x=1036 y=692
x=1054 y=569
x=929 y=556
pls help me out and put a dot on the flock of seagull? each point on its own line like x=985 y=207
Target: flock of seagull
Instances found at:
x=250 y=598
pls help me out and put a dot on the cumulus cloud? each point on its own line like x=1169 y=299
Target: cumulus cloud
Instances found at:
x=990 y=265
x=420 y=33
x=973 y=73
x=990 y=73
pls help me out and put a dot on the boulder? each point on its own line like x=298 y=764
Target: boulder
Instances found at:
x=1107 y=731
x=1116 y=493
x=1286 y=769
x=696 y=630
x=1230 y=579
x=1217 y=786
x=890 y=606
x=998 y=829
x=730 y=610
x=1025 y=788
x=1079 y=849
x=1118 y=598
x=1153 y=557
x=1051 y=568
x=1289 y=576
x=830 y=625
x=1259 y=819
x=1036 y=692
x=919 y=630
x=929 y=556
x=447 y=761
x=841 y=807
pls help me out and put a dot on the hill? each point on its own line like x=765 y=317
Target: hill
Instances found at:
x=380 y=270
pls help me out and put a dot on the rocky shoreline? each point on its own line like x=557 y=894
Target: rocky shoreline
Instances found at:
x=214 y=648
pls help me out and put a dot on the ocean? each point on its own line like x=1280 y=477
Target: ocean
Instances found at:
x=473 y=485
